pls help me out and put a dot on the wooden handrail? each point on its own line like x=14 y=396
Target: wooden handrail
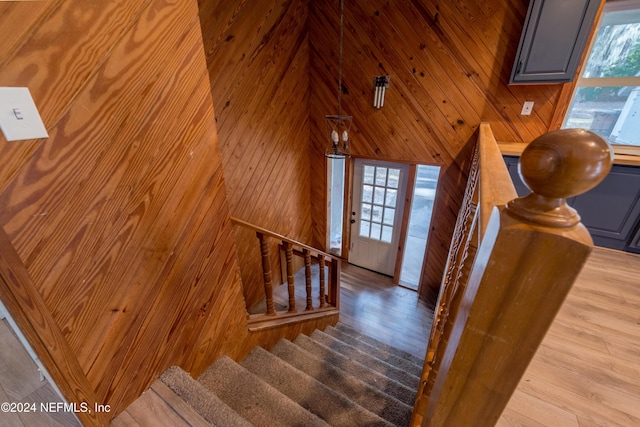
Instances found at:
x=511 y=263
x=264 y=231
x=328 y=304
x=496 y=187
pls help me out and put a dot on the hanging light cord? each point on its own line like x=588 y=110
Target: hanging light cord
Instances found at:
x=340 y=57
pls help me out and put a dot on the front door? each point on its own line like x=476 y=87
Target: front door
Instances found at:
x=378 y=199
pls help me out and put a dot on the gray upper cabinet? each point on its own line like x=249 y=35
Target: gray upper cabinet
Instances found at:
x=553 y=39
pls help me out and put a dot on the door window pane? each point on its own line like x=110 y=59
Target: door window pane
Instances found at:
x=375 y=231
x=366 y=212
x=394 y=178
x=364 y=228
x=368 y=174
x=387 y=233
x=389 y=215
x=379 y=196
x=376 y=213
x=367 y=193
x=381 y=176
x=392 y=195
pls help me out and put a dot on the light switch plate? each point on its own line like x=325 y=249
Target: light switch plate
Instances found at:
x=527 y=107
x=19 y=117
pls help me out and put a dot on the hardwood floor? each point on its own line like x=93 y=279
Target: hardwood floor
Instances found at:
x=587 y=371
x=159 y=406
x=20 y=384
x=393 y=314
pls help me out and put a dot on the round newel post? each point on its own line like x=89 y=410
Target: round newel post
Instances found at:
x=556 y=166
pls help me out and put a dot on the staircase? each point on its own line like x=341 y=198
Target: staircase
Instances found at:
x=338 y=377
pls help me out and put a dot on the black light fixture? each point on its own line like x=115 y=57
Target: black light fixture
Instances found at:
x=338 y=125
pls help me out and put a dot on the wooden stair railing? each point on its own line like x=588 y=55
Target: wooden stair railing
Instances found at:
x=328 y=295
x=511 y=263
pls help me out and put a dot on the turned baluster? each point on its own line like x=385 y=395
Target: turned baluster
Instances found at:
x=334 y=282
x=323 y=303
x=307 y=276
x=266 y=272
x=288 y=249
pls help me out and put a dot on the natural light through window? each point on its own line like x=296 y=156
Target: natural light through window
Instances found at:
x=335 y=208
x=379 y=196
x=607 y=96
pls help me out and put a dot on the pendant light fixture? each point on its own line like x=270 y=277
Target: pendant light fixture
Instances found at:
x=338 y=126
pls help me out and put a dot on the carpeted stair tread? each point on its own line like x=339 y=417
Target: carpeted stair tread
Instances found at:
x=332 y=407
x=258 y=402
x=372 y=362
x=205 y=403
x=358 y=370
x=377 y=352
x=360 y=392
x=379 y=344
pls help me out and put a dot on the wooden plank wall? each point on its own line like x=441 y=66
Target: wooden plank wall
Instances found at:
x=449 y=63
x=258 y=59
x=121 y=216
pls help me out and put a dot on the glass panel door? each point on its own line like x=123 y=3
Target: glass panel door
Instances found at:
x=378 y=195
x=424 y=194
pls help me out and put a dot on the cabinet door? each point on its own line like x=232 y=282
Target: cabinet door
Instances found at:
x=611 y=210
x=512 y=166
x=553 y=39
x=634 y=245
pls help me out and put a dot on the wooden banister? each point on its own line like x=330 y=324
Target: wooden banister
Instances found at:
x=496 y=187
x=328 y=303
x=314 y=251
x=511 y=264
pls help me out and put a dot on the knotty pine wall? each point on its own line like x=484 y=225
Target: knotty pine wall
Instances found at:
x=258 y=59
x=449 y=63
x=121 y=216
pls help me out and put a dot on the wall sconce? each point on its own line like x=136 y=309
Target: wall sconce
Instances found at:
x=381 y=84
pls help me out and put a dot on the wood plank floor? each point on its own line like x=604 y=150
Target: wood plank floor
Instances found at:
x=587 y=371
x=159 y=406
x=393 y=314
x=20 y=383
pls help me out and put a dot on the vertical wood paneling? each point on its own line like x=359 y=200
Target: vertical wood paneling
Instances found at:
x=449 y=64
x=257 y=55
x=121 y=216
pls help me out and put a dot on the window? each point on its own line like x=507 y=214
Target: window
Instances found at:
x=335 y=208
x=607 y=96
